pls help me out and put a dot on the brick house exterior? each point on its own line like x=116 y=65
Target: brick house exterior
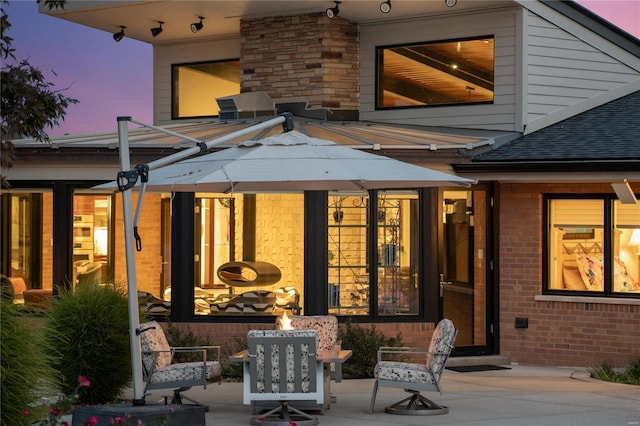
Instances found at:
x=329 y=67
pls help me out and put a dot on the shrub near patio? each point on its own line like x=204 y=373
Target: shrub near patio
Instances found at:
x=25 y=368
x=89 y=329
x=606 y=372
x=364 y=341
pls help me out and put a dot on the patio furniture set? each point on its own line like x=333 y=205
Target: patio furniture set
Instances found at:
x=287 y=372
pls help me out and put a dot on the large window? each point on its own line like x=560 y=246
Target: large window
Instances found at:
x=593 y=246
x=196 y=87
x=28 y=232
x=249 y=254
x=438 y=73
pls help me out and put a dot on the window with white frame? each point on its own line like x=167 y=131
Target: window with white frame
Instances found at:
x=593 y=246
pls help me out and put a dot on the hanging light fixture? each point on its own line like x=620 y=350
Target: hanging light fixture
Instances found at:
x=197 y=26
x=119 y=35
x=332 y=12
x=157 y=30
x=385 y=7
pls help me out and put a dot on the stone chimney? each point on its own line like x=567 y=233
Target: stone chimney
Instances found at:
x=303 y=58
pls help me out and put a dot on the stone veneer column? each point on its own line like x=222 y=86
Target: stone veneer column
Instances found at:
x=302 y=58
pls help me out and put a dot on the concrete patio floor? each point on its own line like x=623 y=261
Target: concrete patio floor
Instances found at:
x=519 y=396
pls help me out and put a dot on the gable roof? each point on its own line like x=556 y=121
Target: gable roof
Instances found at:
x=605 y=136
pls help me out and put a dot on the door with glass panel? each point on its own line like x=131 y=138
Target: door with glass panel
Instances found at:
x=463 y=286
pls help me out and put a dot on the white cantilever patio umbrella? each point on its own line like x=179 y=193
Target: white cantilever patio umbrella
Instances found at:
x=286 y=162
x=294 y=162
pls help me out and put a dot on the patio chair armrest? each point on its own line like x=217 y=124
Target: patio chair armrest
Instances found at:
x=203 y=349
x=401 y=350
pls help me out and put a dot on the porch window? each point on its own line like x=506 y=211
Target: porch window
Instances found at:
x=93 y=245
x=593 y=247
x=450 y=72
x=394 y=248
x=249 y=254
x=196 y=86
x=398 y=281
x=26 y=232
x=349 y=259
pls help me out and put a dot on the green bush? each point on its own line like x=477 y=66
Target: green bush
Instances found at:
x=364 y=341
x=25 y=367
x=233 y=370
x=607 y=373
x=90 y=330
x=176 y=337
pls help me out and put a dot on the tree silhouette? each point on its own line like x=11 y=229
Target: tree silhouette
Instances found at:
x=29 y=103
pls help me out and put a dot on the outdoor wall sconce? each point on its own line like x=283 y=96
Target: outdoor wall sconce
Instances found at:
x=197 y=26
x=157 y=30
x=624 y=192
x=119 y=35
x=385 y=7
x=450 y=3
x=332 y=12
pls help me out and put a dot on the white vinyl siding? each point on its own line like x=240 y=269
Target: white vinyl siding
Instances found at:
x=563 y=70
x=501 y=23
x=182 y=53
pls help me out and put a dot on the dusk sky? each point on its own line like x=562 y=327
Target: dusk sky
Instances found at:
x=115 y=79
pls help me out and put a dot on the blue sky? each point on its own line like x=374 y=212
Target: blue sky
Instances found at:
x=116 y=79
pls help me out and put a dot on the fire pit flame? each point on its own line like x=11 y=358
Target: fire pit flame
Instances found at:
x=285 y=322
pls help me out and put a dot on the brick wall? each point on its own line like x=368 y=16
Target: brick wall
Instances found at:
x=305 y=57
x=149 y=260
x=559 y=333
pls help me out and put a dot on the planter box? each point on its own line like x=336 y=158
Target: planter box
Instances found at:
x=150 y=414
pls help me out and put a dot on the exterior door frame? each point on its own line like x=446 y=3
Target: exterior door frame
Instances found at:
x=491 y=336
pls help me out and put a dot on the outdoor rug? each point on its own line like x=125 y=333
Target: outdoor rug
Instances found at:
x=472 y=368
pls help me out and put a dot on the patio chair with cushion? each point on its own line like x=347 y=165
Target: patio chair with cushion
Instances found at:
x=325 y=325
x=327 y=328
x=283 y=366
x=414 y=377
x=161 y=373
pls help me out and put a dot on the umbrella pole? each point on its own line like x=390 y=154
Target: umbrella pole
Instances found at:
x=126 y=180
x=132 y=285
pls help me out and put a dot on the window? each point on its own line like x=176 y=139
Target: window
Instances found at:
x=249 y=254
x=26 y=237
x=348 y=243
x=593 y=246
x=92 y=239
x=395 y=249
x=196 y=87
x=398 y=281
x=437 y=73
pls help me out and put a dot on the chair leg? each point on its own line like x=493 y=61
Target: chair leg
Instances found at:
x=178 y=397
x=284 y=415
x=416 y=405
x=373 y=396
